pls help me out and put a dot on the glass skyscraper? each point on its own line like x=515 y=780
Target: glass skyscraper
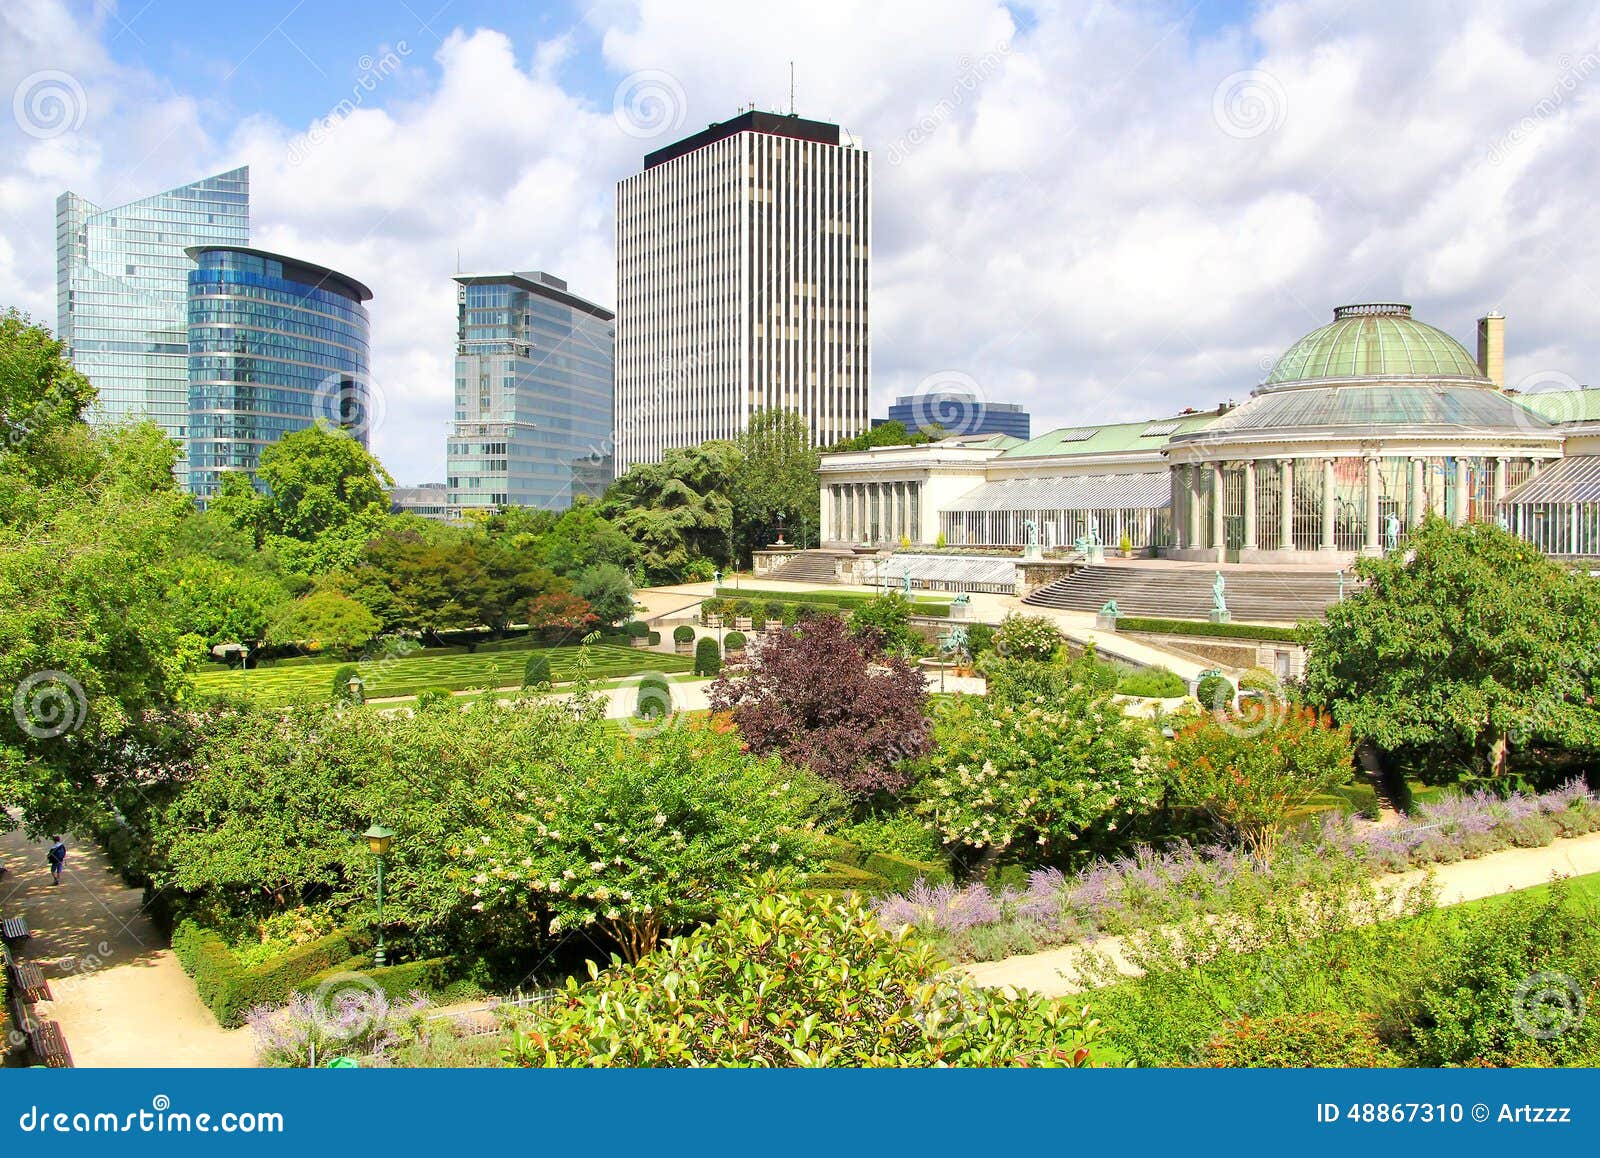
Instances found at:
x=534 y=394
x=275 y=345
x=121 y=293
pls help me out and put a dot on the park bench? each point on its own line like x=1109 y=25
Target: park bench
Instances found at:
x=47 y=1042
x=30 y=983
x=14 y=929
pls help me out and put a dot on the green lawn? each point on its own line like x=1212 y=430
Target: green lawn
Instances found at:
x=452 y=672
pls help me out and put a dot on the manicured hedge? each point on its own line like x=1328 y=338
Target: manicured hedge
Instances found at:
x=901 y=873
x=1214 y=630
x=856 y=869
x=919 y=605
x=230 y=989
x=397 y=981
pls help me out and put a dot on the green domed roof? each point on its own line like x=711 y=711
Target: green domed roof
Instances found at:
x=1370 y=341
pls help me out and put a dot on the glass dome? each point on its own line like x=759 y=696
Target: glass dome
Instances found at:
x=1377 y=340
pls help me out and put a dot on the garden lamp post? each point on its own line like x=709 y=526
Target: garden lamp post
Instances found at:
x=355 y=690
x=379 y=839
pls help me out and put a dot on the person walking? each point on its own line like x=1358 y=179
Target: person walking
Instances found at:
x=57 y=856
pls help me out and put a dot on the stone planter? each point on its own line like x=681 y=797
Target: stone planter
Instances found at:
x=683 y=648
x=640 y=640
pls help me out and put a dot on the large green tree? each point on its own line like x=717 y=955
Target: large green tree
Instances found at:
x=776 y=484
x=677 y=510
x=1466 y=647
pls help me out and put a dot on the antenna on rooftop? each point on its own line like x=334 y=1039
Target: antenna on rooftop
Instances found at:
x=791 y=88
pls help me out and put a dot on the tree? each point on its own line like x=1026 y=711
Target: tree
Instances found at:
x=707 y=657
x=678 y=509
x=222 y=602
x=582 y=537
x=1453 y=653
x=784 y=981
x=325 y=497
x=892 y=433
x=1033 y=782
x=41 y=395
x=884 y=625
x=323 y=619
x=634 y=837
x=814 y=697
x=560 y=611
x=1249 y=775
x=777 y=476
x=608 y=590
x=536 y=672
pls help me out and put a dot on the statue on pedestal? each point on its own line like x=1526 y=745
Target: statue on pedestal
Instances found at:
x=1219 y=604
x=1033 y=551
x=1391 y=532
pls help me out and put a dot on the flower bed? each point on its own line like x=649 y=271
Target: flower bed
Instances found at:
x=1151 y=887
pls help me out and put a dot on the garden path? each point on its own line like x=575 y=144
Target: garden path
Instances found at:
x=1469 y=880
x=120 y=996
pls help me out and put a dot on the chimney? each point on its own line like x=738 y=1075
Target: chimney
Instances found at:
x=1492 y=347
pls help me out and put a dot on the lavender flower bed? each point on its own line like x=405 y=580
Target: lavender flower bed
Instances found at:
x=1150 y=887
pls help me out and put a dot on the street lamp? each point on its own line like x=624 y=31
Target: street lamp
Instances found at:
x=355 y=691
x=379 y=839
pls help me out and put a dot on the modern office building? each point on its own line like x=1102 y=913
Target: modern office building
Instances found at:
x=742 y=285
x=274 y=345
x=958 y=413
x=426 y=501
x=533 y=418
x=122 y=292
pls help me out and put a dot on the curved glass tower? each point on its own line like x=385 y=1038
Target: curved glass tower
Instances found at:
x=275 y=345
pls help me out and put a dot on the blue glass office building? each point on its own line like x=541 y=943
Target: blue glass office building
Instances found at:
x=275 y=345
x=958 y=413
x=534 y=394
x=121 y=293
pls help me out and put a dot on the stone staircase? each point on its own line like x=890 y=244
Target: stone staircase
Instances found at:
x=1173 y=592
x=813 y=566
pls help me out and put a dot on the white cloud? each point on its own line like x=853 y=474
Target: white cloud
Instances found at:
x=1057 y=212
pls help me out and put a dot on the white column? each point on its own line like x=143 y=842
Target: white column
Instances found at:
x=825 y=514
x=1250 y=504
x=1374 y=543
x=1419 y=494
x=1499 y=482
x=1219 y=538
x=1175 y=489
x=1192 y=536
x=1327 y=504
x=1286 y=504
x=1461 y=491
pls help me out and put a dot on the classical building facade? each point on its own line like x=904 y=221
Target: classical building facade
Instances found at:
x=1362 y=428
x=742 y=285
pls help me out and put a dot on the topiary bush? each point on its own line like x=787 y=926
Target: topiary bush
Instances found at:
x=431 y=698
x=536 y=672
x=1214 y=692
x=636 y=628
x=707 y=657
x=734 y=641
x=683 y=633
x=654 y=639
x=652 y=699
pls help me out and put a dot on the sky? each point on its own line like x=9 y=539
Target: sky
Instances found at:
x=1099 y=210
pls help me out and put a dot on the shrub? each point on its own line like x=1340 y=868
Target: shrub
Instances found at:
x=758 y=618
x=790 y=614
x=1211 y=630
x=1024 y=681
x=636 y=629
x=229 y=989
x=1320 y=1040
x=884 y=624
x=654 y=639
x=652 y=699
x=815 y=698
x=707 y=657
x=773 y=608
x=341 y=682
x=1153 y=683
x=1214 y=692
x=980 y=638
x=784 y=982
x=1259 y=679
x=350 y=1019
x=733 y=641
x=1248 y=777
x=1027 y=637
x=536 y=671
x=903 y=834
x=431 y=698
x=744 y=608
x=683 y=633
x=1034 y=782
